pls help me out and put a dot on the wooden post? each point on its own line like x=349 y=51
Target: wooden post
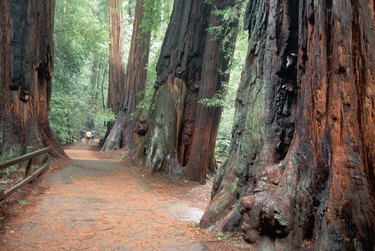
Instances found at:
x=29 y=162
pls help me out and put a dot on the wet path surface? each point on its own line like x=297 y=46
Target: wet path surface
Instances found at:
x=97 y=204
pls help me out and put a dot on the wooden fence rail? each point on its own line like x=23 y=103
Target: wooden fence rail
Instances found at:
x=28 y=176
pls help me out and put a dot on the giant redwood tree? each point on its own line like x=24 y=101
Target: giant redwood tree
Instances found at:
x=123 y=133
x=300 y=175
x=188 y=70
x=26 y=65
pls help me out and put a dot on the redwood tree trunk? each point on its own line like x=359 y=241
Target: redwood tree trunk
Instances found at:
x=166 y=146
x=217 y=53
x=26 y=73
x=116 y=67
x=300 y=174
x=123 y=133
x=188 y=69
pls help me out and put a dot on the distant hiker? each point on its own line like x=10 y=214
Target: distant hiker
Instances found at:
x=88 y=136
x=93 y=135
x=83 y=135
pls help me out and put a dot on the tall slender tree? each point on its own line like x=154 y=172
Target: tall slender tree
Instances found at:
x=116 y=66
x=26 y=68
x=123 y=133
x=300 y=173
x=116 y=70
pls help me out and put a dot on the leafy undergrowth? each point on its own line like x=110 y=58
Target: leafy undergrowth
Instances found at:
x=10 y=177
x=13 y=175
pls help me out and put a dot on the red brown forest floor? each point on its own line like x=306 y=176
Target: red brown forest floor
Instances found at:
x=94 y=202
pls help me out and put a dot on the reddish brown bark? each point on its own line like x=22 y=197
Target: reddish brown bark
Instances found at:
x=215 y=75
x=308 y=187
x=123 y=133
x=26 y=73
x=337 y=129
x=116 y=67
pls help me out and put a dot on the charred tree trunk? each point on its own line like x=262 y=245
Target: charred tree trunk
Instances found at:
x=123 y=133
x=187 y=53
x=26 y=73
x=166 y=146
x=217 y=55
x=308 y=186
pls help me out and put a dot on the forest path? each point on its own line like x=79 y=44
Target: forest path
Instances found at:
x=96 y=204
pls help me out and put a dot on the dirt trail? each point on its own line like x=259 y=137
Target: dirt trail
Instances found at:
x=95 y=204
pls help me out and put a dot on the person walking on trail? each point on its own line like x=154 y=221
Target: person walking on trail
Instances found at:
x=83 y=135
x=88 y=136
x=93 y=134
